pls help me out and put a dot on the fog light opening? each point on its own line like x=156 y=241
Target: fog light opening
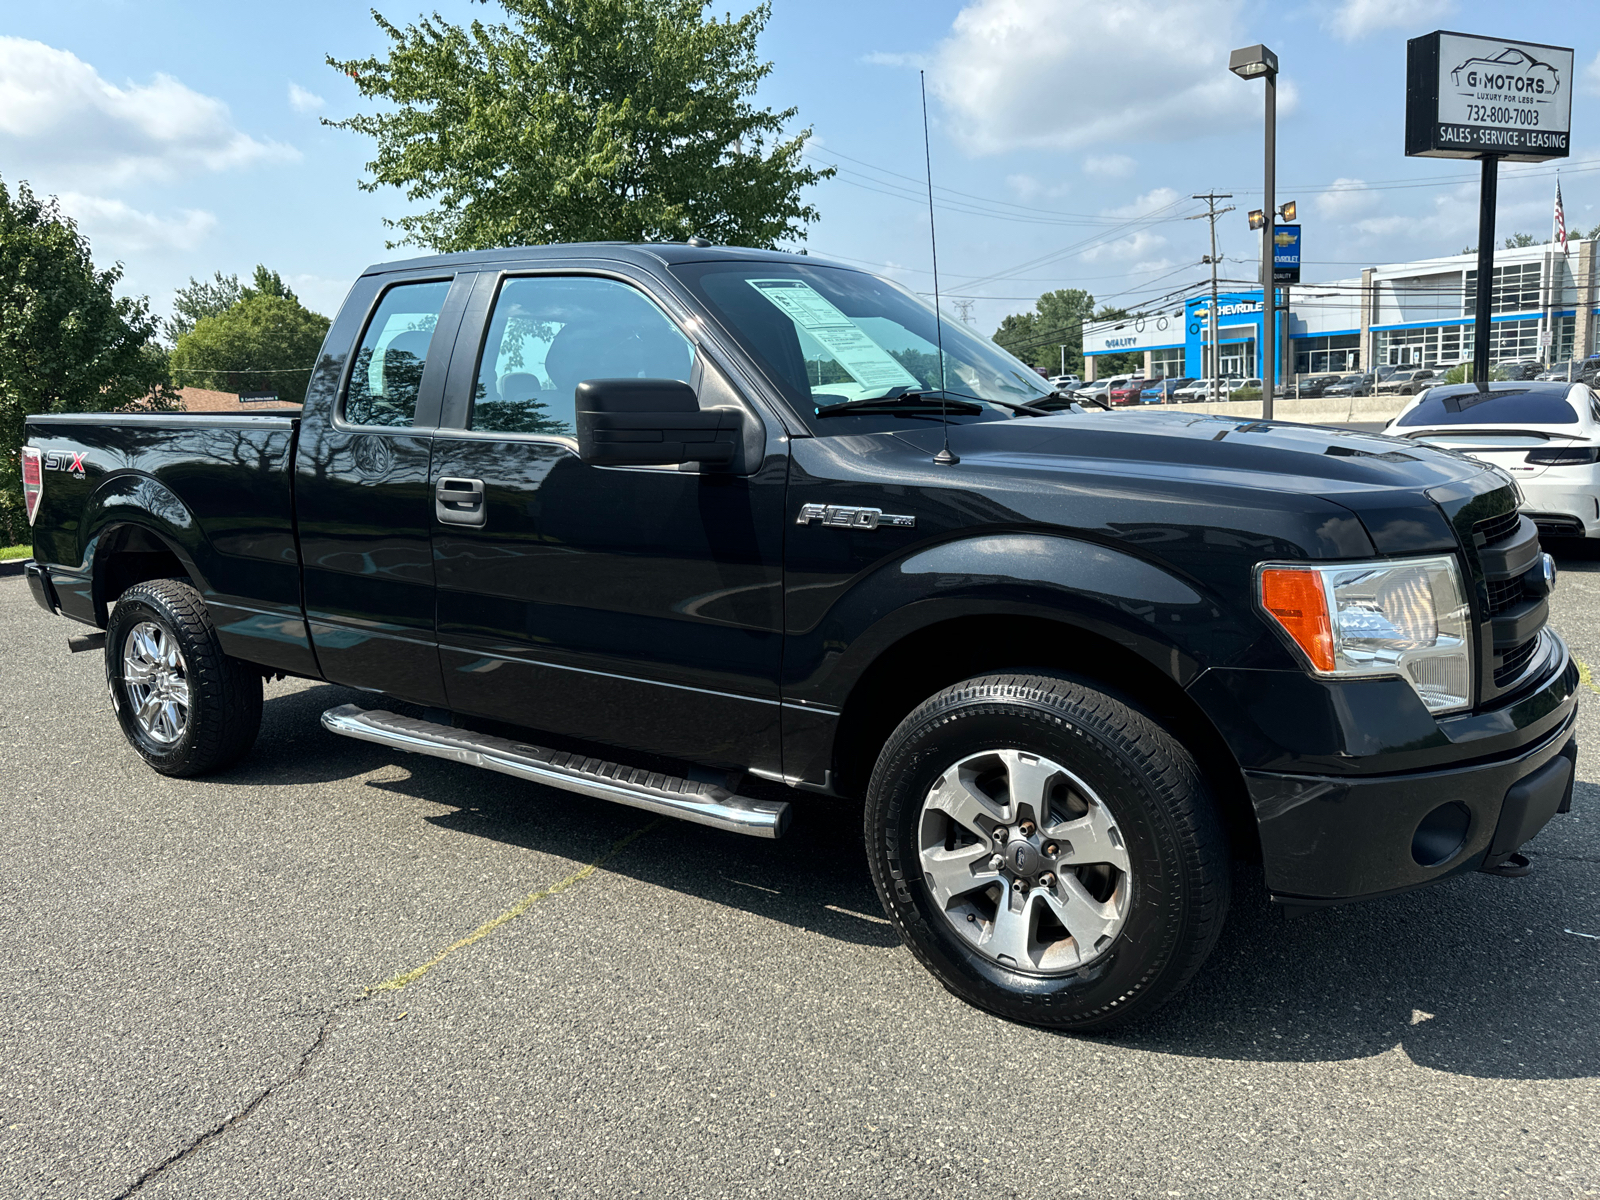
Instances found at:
x=1441 y=834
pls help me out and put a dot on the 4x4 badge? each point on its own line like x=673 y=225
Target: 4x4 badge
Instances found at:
x=840 y=517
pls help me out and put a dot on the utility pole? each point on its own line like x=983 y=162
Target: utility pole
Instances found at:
x=1211 y=214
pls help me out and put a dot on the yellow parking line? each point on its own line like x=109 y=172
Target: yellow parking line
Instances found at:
x=396 y=982
x=1584 y=676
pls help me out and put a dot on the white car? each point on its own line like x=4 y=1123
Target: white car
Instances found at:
x=1206 y=389
x=1546 y=436
x=1066 y=383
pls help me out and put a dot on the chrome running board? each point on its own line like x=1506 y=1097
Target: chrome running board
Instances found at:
x=669 y=795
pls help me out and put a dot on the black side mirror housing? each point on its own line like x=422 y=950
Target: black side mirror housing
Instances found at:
x=653 y=422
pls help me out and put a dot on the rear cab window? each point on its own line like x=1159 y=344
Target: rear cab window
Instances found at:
x=386 y=374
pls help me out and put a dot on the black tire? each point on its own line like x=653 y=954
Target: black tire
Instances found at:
x=224 y=694
x=1178 y=868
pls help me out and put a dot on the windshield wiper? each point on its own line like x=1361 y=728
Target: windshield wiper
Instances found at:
x=898 y=399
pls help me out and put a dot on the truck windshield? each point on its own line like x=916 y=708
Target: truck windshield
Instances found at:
x=830 y=335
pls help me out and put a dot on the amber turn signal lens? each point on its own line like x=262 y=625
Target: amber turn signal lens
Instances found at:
x=1297 y=602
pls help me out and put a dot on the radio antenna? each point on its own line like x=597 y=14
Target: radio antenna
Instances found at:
x=944 y=458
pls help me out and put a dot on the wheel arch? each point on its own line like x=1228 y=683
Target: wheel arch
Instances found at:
x=937 y=655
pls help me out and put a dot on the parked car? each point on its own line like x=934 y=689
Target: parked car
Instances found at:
x=1351 y=385
x=1207 y=389
x=1128 y=391
x=1407 y=383
x=1312 y=387
x=596 y=494
x=1066 y=383
x=1546 y=436
x=1095 y=392
x=1520 y=370
x=1243 y=385
x=1161 y=392
x=1570 y=371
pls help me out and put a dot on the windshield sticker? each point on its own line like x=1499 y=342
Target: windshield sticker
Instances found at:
x=868 y=363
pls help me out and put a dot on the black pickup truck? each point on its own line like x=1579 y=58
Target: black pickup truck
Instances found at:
x=708 y=531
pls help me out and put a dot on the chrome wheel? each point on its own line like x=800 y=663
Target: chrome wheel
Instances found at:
x=1025 y=862
x=157 y=682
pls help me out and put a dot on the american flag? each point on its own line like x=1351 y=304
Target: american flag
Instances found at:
x=1561 y=221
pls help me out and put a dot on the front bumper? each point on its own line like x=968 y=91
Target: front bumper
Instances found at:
x=1331 y=839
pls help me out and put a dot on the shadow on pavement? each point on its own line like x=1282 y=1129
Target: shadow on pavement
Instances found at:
x=1475 y=976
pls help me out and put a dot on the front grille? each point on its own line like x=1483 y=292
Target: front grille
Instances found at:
x=1502 y=594
x=1497 y=529
x=1513 y=662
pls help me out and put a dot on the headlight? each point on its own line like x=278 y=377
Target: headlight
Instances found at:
x=1404 y=617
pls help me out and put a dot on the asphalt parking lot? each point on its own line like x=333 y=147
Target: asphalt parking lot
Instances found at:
x=341 y=971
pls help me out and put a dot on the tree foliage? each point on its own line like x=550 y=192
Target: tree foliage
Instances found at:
x=198 y=299
x=582 y=120
x=1057 y=319
x=68 y=343
x=265 y=341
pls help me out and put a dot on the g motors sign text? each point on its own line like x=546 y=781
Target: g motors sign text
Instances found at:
x=1467 y=96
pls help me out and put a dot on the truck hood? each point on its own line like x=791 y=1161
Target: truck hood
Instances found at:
x=1274 y=455
x=1401 y=491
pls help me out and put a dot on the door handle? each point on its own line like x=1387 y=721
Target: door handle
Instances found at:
x=459 y=501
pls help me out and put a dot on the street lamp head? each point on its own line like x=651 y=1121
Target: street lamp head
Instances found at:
x=1258 y=218
x=1252 y=61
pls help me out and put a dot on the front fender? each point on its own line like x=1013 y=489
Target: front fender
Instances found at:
x=1166 y=619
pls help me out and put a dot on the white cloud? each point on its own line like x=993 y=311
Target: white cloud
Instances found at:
x=1137 y=246
x=1591 y=76
x=1026 y=187
x=1063 y=74
x=58 y=115
x=1146 y=204
x=1353 y=19
x=1109 y=166
x=118 y=227
x=881 y=58
x=303 y=101
x=1349 y=198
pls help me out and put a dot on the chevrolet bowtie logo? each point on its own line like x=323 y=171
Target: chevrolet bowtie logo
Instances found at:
x=1283 y=239
x=837 y=516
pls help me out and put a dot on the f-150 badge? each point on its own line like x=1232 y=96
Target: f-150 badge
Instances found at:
x=838 y=516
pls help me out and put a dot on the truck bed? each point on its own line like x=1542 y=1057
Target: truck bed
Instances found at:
x=214 y=491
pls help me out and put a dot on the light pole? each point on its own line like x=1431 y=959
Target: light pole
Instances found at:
x=1248 y=63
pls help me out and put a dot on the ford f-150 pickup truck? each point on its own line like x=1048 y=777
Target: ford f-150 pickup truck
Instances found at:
x=712 y=531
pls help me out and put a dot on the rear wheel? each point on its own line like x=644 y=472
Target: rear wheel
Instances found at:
x=1047 y=851
x=183 y=704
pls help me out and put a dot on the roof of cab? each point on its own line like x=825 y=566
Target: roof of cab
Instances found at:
x=647 y=254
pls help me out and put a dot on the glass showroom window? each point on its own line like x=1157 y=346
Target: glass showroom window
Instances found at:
x=1516 y=289
x=1325 y=355
x=1408 y=347
x=1167 y=364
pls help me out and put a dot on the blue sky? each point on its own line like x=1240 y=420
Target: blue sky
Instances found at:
x=1067 y=135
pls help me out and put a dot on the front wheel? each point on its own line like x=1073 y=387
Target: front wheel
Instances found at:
x=183 y=704
x=1047 y=851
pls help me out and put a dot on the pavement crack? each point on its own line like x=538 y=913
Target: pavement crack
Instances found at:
x=217 y=1131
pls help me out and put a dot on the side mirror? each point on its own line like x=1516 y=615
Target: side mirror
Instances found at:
x=653 y=422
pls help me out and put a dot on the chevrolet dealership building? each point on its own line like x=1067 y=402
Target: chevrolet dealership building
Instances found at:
x=1406 y=314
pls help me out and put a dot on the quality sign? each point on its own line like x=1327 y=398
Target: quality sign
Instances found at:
x=1468 y=96
x=1286 y=254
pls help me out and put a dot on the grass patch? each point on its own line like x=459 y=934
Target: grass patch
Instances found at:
x=8 y=553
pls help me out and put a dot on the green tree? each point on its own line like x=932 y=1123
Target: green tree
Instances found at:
x=582 y=120
x=198 y=299
x=1518 y=240
x=1037 y=337
x=267 y=341
x=68 y=343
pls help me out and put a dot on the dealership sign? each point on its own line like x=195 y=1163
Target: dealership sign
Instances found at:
x=1286 y=254
x=1469 y=96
